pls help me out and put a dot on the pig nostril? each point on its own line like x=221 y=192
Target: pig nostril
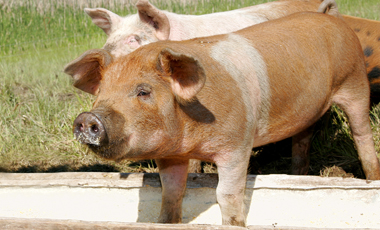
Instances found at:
x=88 y=129
x=95 y=128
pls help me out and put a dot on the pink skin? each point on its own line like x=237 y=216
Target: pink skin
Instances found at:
x=151 y=24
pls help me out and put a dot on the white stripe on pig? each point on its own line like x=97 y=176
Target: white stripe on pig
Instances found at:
x=247 y=67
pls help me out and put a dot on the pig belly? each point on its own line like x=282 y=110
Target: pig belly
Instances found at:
x=290 y=122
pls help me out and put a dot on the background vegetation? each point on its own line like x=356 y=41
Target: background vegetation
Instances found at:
x=38 y=103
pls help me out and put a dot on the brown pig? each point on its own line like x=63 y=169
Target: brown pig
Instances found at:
x=215 y=98
x=151 y=24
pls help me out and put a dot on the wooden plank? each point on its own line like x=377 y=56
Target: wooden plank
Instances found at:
x=44 y=224
x=314 y=201
x=99 y=180
x=133 y=180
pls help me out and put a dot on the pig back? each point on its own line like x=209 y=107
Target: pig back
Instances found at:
x=272 y=80
x=307 y=57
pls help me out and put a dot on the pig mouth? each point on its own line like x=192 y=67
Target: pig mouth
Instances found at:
x=110 y=151
x=100 y=150
x=88 y=140
x=106 y=152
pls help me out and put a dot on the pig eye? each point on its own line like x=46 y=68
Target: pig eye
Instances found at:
x=134 y=39
x=143 y=90
x=143 y=93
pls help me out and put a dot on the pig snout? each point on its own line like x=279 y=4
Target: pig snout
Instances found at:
x=88 y=129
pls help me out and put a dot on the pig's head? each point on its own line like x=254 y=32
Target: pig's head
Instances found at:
x=136 y=113
x=126 y=34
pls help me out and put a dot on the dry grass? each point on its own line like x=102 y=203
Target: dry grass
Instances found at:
x=335 y=171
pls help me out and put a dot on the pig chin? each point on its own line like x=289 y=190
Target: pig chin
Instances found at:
x=111 y=151
x=133 y=146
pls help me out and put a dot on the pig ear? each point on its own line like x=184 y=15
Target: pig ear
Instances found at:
x=186 y=74
x=86 y=69
x=154 y=17
x=103 y=18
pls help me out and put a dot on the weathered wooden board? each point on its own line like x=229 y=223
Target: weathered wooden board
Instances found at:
x=274 y=201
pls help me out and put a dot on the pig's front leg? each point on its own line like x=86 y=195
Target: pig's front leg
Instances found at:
x=173 y=174
x=231 y=188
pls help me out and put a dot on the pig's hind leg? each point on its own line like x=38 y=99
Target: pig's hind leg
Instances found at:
x=353 y=98
x=300 y=151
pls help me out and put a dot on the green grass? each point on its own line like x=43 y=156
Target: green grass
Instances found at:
x=38 y=103
x=360 y=8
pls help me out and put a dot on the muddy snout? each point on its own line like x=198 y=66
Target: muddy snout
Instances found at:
x=88 y=129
